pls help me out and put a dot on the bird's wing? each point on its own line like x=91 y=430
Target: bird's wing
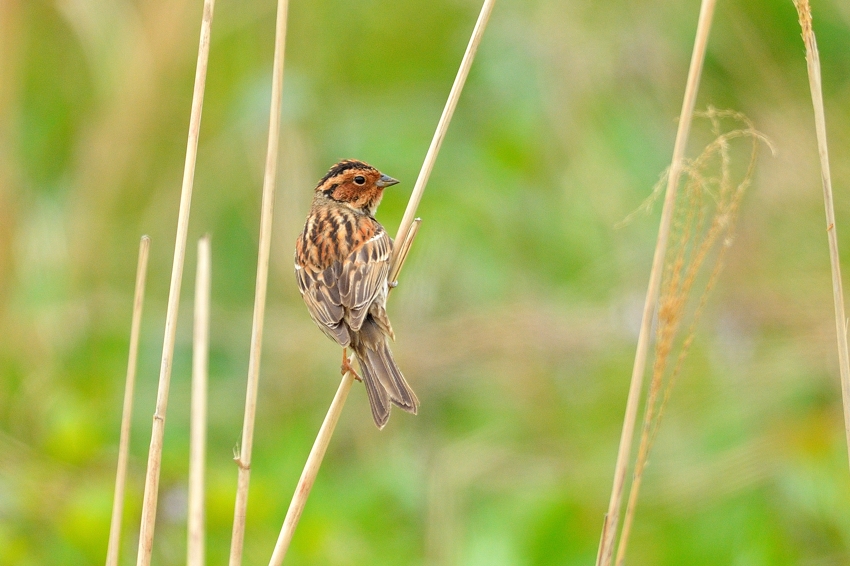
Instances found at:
x=363 y=279
x=321 y=294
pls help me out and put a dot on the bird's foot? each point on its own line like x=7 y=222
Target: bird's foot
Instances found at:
x=346 y=367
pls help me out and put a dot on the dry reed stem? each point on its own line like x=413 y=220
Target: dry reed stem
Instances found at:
x=126 y=417
x=311 y=469
x=406 y=232
x=439 y=134
x=813 y=65
x=404 y=247
x=158 y=429
x=612 y=517
x=680 y=276
x=243 y=460
x=198 y=429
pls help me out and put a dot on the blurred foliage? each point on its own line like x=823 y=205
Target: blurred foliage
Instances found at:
x=517 y=311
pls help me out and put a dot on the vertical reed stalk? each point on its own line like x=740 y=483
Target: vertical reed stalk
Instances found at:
x=244 y=459
x=813 y=65
x=198 y=430
x=612 y=517
x=158 y=429
x=126 y=417
x=404 y=238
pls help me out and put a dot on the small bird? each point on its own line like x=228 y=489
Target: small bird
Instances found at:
x=342 y=260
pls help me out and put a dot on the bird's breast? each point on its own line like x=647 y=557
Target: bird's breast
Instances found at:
x=332 y=234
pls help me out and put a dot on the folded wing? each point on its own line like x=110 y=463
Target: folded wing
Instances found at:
x=339 y=297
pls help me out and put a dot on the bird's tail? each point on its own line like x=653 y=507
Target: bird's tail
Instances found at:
x=384 y=382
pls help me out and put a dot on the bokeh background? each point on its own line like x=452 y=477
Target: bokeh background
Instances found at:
x=517 y=311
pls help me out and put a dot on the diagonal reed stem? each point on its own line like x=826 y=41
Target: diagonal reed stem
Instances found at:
x=406 y=232
x=311 y=469
x=198 y=430
x=404 y=248
x=158 y=429
x=127 y=415
x=813 y=66
x=243 y=460
x=439 y=135
x=612 y=518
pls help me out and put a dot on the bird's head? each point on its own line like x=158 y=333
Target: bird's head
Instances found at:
x=355 y=184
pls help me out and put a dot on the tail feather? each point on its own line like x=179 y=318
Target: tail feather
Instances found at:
x=393 y=381
x=384 y=382
x=378 y=400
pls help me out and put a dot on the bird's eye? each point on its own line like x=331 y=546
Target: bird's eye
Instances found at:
x=359 y=179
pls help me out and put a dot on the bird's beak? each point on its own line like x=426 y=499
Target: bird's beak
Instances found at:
x=386 y=181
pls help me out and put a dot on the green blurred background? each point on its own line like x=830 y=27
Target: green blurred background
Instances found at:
x=517 y=311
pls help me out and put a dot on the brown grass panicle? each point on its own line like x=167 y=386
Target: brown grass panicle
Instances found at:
x=702 y=231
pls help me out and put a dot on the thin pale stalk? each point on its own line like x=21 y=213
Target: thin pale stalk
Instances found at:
x=243 y=460
x=198 y=429
x=612 y=517
x=406 y=232
x=404 y=246
x=127 y=415
x=439 y=134
x=813 y=65
x=311 y=468
x=158 y=429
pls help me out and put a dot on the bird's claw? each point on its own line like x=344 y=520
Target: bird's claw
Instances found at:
x=346 y=368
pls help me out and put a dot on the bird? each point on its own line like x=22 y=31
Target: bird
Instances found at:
x=342 y=261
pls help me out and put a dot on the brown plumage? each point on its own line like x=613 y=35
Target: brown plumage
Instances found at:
x=341 y=264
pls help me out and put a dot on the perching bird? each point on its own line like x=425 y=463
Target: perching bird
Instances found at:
x=342 y=260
